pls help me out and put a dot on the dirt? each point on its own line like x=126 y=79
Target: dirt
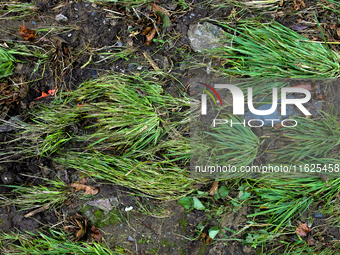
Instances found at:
x=89 y=27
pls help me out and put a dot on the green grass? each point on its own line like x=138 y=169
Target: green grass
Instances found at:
x=7 y=62
x=54 y=242
x=319 y=144
x=31 y=197
x=272 y=50
x=17 y=10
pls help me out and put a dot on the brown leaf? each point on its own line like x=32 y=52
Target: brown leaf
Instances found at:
x=302 y=229
x=80 y=232
x=208 y=240
x=89 y=190
x=158 y=8
x=83 y=180
x=96 y=234
x=303 y=3
x=304 y=86
x=150 y=36
x=27 y=33
x=320 y=97
x=203 y=235
x=277 y=126
x=338 y=31
x=213 y=189
x=311 y=241
x=142 y=252
x=146 y=30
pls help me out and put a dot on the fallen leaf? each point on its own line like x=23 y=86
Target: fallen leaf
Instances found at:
x=303 y=3
x=146 y=30
x=208 y=240
x=103 y=204
x=150 y=36
x=296 y=6
x=158 y=8
x=141 y=92
x=302 y=229
x=43 y=94
x=213 y=189
x=27 y=33
x=89 y=190
x=304 y=86
x=338 y=31
x=320 y=97
x=96 y=234
x=277 y=126
x=83 y=180
x=80 y=232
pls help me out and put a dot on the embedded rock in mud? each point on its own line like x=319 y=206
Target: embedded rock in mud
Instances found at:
x=204 y=36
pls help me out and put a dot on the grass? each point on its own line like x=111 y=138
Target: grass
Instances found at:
x=258 y=49
x=7 y=62
x=317 y=145
x=31 y=197
x=54 y=242
x=119 y=128
x=17 y=10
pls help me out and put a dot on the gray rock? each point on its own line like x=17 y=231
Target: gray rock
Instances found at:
x=204 y=36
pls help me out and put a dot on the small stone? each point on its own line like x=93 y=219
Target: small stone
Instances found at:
x=33 y=22
x=130 y=66
x=131 y=239
x=204 y=36
x=120 y=44
x=139 y=68
x=318 y=215
x=60 y=17
x=127 y=209
x=93 y=13
x=69 y=35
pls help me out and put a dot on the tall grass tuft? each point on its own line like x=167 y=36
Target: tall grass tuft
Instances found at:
x=258 y=49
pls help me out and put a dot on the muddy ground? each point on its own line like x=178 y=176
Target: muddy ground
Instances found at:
x=166 y=227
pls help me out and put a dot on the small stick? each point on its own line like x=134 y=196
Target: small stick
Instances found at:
x=41 y=209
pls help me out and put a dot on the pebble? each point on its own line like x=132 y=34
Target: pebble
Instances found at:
x=93 y=13
x=131 y=239
x=318 y=215
x=139 y=68
x=69 y=35
x=94 y=74
x=113 y=23
x=33 y=22
x=119 y=43
x=130 y=66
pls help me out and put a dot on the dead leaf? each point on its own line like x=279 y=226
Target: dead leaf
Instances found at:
x=81 y=232
x=103 y=204
x=96 y=234
x=213 y=189
x=338 y=31
x=83 y=180
x=296 y=6
x=203 y=235
x=208 y=240
x=158 y=8
x=320 y=97
x=27 y=33
x=303 y=3
x=141 y=92
x=302 y=229
x=304 y=86
x=150 y=36
x=146 y=30
x=43 y=94
x=277 y=126
x=89 y=190
x=299 y=27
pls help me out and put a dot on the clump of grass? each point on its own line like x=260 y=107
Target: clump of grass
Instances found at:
x=7 y=62
x=30 y=197
x=315 y=145
x=54 y=242
x=214 y=147
x=17 y=10
x=270 y=49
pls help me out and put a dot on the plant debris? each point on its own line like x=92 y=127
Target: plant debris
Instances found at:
x=26 y=33
x=213 y=189
x=302 y=229
x=96 y=234
x=89 y=190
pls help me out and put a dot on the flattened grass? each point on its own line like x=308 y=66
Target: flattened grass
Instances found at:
x=272 y=50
